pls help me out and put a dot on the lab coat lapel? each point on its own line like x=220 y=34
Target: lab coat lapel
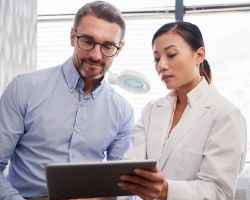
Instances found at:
x=181 y=130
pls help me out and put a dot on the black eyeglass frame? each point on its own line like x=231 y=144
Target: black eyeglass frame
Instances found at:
x=94 y=44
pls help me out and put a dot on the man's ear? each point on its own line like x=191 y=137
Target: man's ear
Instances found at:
x=121 y=44
x=200 y=55
x=72 y=37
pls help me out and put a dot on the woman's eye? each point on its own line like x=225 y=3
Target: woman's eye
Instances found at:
x=171 y=55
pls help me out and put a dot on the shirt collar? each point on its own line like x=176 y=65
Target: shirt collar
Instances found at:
x=196 y=92
x=74 y=80
x=192 y=96
x=97 y=89
x=172 y=97
x=71 y=74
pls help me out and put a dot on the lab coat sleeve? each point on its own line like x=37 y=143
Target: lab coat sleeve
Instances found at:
x=223 y=159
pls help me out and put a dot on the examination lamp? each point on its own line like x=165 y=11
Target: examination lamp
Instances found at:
x=131 y=81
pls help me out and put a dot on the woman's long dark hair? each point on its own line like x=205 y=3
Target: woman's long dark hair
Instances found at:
x=192 y=35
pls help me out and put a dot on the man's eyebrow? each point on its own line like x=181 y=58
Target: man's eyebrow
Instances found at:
x=85 y=36
x=91 y=38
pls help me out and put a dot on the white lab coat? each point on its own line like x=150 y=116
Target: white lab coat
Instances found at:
x=204 y=153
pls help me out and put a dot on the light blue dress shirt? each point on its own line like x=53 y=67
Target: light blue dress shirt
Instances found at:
x=45 y=118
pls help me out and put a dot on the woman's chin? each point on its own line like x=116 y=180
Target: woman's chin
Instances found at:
x=169 y=86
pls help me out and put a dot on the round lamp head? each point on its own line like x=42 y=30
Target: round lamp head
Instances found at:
x=131 y=81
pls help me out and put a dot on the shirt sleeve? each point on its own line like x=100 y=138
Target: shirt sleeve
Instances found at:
x=139 y=138
x=11 y=129
x=122 y=141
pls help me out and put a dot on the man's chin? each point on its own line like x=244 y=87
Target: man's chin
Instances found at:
x=94 y=77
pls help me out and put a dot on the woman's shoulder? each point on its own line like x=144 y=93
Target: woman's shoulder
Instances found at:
x=220 y=102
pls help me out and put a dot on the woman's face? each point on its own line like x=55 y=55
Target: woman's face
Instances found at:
x=176 y=63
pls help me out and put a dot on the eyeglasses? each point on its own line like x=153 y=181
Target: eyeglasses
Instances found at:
x=87 y=44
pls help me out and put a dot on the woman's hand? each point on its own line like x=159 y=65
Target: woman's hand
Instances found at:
x=146 y=184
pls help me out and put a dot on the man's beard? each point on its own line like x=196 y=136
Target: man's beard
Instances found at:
x=90 y=61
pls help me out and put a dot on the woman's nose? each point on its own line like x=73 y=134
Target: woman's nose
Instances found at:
x=162 y=65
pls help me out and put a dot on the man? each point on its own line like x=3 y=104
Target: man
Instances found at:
x=68 y=113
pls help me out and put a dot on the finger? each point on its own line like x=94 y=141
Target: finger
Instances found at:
x=141 y=181
x=134 y=179
x=149 y=186
x=153 y=176
x=144 y=193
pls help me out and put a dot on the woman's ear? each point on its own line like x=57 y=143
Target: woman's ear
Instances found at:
x=200 y=55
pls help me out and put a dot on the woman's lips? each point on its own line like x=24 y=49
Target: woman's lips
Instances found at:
x=166 y=77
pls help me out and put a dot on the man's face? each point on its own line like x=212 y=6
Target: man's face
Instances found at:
x=92 y=64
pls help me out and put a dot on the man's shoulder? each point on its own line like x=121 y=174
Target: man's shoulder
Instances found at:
x=41 y=72
x=117 y=97
x=40 y=75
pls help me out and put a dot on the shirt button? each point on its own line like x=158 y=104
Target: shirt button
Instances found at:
x=77 y=130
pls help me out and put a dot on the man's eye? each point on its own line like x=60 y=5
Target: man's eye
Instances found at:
x=86 y=41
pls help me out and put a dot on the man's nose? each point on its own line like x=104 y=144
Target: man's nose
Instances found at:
x=96 y=53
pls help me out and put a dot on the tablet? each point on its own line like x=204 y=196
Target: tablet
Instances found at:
x=92 y=179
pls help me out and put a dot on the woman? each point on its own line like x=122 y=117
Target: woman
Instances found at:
x=197 y=136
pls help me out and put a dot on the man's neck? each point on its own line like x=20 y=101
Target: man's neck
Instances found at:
x=90 y=85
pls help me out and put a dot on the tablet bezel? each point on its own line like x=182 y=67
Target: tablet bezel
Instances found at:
x=91 y=179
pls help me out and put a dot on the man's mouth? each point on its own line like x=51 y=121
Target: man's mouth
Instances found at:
x=94 y=63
